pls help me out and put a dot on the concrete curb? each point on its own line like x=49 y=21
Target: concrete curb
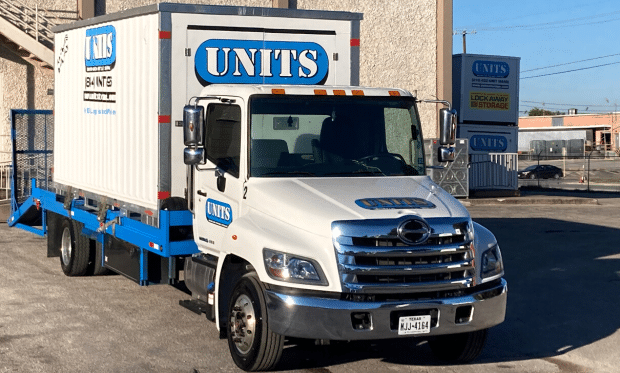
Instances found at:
x=530 y=201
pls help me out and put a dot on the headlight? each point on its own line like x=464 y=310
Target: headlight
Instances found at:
x=492 y=265
x=286 y=267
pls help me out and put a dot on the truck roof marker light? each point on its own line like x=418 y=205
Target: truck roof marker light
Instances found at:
x=339 y=92
x=278 y=91
x=320 y=92
x=394 y=93
x=357 y=92
x=355 y=42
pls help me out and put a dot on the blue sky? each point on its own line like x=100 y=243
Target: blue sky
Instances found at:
x=546 y=33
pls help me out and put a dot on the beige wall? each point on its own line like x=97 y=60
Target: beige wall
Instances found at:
x=404 y=44
x=24 y=85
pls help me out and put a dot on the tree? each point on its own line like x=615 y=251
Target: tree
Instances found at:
x=536 y=112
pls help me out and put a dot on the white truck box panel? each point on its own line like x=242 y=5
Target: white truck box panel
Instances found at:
x=107 y=143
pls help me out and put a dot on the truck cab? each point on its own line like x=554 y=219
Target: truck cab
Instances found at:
x=312 y=203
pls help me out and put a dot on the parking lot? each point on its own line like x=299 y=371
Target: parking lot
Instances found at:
x=562 y=265
x=594 y=174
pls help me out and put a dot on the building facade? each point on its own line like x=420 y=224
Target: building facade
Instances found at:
x=403 y=44
x=600 y=132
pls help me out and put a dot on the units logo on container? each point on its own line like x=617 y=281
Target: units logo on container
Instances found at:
x=100 y=49
x=489 y=101
x=491 y=143
x=260 y=62
x=493 y=69
x=219 y=212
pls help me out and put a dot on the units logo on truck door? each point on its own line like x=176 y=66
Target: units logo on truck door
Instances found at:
x=100 y=49
x=219 y=212
x=260 y=62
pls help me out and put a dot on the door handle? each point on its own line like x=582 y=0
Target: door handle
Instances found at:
x=201 y=193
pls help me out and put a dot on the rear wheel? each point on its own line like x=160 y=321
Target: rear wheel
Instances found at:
x=74 y=249
x=532 y=176
x=459 y=348
x=253 y=346
x=556 y=176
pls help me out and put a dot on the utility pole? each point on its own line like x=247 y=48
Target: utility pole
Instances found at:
x=464 y=33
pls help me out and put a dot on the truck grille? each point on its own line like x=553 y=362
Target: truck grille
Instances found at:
x=374 y=259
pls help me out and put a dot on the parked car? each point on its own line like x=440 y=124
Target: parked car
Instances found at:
x=543 y=171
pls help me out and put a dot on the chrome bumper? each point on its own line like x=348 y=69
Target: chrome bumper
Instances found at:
x=325 y=318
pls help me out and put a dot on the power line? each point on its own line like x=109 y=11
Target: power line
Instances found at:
x=556 y=24
x=569 y=71
x=553 y=103
x=514 y=17
x=569 y=63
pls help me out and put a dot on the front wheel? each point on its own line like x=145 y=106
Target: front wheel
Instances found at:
x=532 y=176
x=459 y=348
x=253 y=346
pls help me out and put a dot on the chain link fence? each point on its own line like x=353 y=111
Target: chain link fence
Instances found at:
x=591 y=171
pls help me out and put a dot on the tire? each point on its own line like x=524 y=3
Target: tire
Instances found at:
x=253 y=346
x=174 y=204
x=459 y=348
x=556 y=176
x=532 y=176
x=74 y=249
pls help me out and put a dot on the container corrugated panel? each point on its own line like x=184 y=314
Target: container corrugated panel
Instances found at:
x=106 y=109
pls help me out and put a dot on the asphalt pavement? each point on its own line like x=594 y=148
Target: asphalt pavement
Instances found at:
x=562 y=263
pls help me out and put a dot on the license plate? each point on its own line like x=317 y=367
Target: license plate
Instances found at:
x=414 y=325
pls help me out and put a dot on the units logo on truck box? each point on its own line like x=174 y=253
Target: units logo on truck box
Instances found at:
x=219 y=212
x=100 y=48
x=260 y=62
x=100 y=59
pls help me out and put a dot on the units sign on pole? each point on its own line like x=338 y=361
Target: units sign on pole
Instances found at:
x=486 y=89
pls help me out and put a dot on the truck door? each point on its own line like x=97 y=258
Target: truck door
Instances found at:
x=218 y=185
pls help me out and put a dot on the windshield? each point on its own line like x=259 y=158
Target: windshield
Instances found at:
x=334 y=136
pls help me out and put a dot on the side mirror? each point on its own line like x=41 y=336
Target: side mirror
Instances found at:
x=193 y=127
x=445 y=154
x=447 y=127
x=193 y=156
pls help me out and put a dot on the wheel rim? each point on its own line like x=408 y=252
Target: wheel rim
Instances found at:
x=65 y=246
x=243 y=323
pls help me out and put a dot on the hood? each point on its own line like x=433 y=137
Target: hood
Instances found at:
x=312 y=204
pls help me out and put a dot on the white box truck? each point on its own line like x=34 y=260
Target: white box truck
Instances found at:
x=231 y=150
